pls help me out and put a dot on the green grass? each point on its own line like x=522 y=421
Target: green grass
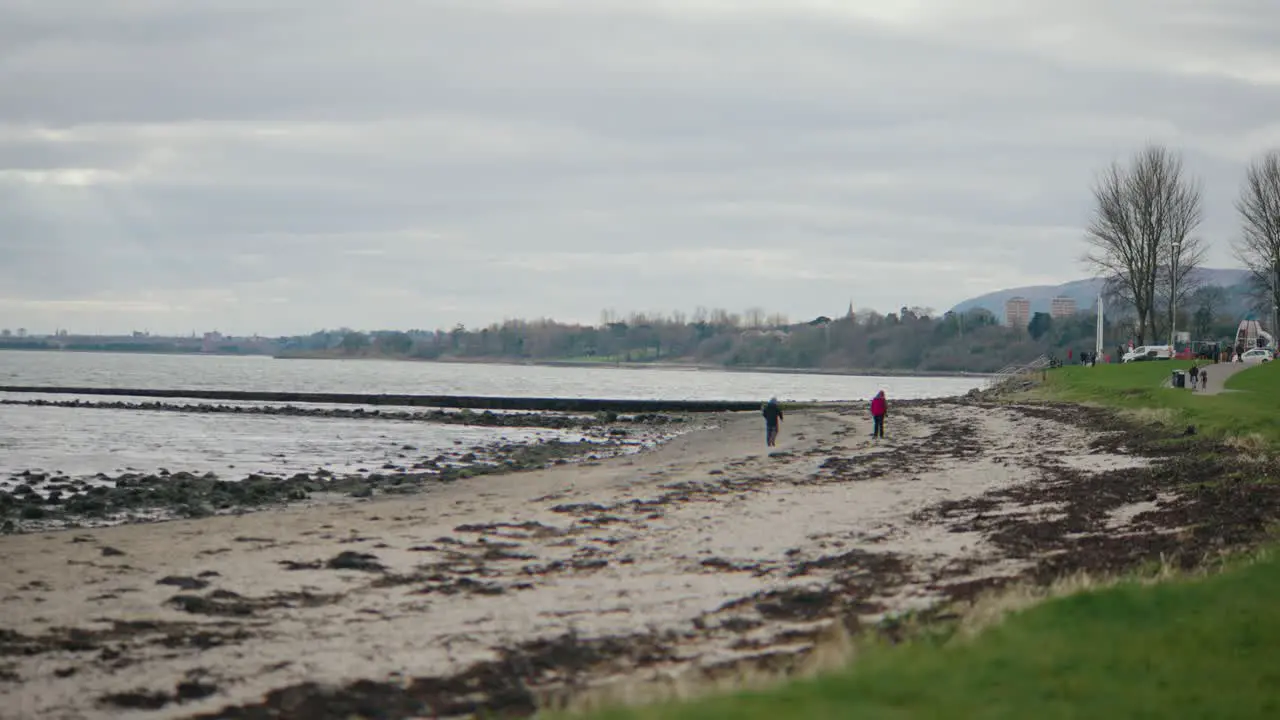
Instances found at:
x=1252 y=413
x=1203 y=648
x=1264 y=379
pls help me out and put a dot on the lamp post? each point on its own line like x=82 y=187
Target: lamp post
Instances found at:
x=1275 y=306
x=1173 y=295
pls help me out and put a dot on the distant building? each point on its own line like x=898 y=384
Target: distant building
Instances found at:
x=775 y=334
x=1017 y=312
x=1062 y=307
x=211 y=342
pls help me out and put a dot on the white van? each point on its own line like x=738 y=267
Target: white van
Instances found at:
x=1148 y=352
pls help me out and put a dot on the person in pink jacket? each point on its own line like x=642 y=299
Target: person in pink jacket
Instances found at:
x=879 y=408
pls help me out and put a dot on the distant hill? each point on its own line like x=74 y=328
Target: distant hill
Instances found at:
x=1085 y=293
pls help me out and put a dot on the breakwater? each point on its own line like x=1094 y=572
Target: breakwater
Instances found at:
x=461 y=402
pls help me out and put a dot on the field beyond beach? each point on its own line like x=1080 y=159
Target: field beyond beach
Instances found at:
x=690 y=565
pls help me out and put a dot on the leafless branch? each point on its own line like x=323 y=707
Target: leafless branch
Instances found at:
x=1180 y=276
x=1142 y=212
x=1259 y=208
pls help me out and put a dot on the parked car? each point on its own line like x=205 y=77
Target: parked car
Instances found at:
x=1148 y=352
x=1257 y=355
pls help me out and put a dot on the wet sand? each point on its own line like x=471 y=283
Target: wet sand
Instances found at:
x=234 y=458
x=684 y=561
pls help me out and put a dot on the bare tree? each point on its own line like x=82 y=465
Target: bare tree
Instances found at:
x=1208 y=301
x=724 y=319
x=1180 y=276
x=1259 y=244
x=1139 y=234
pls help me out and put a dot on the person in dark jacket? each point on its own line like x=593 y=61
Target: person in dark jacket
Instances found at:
x=879 y=409
x=772 y=416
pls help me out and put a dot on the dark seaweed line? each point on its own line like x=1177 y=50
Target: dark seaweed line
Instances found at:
x=486 y=418
x=470 y=402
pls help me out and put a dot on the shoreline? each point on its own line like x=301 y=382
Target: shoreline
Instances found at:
x=42 y=499
x=461 y=402
x=657 y=365
x=505 y=592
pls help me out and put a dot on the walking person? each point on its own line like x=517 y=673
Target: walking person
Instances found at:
x=772 y=416
x=879 y=408
x=1195 y=376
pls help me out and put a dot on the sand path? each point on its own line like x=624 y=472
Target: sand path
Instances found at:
x=180 y=618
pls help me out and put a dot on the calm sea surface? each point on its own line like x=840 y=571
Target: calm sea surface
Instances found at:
x=425 y=378
x=85 y=441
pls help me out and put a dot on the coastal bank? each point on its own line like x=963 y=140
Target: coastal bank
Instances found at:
x=692 y=565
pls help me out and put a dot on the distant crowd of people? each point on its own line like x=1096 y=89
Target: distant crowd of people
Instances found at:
x=1086 y=358
x=1213 y=352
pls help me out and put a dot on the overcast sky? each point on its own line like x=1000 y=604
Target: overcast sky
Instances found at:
x=276 y=166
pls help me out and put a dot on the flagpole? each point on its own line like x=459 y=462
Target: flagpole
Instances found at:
x=1098 y=345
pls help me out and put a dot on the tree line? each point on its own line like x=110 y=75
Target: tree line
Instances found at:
x=912 y=339
x=1143 y=235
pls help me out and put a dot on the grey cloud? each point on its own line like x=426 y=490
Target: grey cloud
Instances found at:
x=290 y=165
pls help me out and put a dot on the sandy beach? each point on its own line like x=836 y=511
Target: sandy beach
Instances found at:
x=685 y=561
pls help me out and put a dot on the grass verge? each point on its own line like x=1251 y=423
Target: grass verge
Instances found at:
x=1187 y=647
x=1248 y=416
